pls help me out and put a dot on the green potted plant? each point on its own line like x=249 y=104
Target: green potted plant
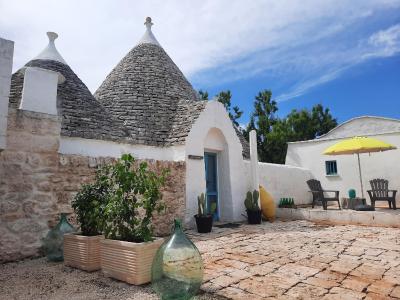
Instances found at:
x=252 y=208
x=82 y=250
x=129 y=246
x=204 y=219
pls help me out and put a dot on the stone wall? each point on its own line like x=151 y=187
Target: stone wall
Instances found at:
x=37 y=183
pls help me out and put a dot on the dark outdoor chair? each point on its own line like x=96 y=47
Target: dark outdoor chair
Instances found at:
x=318 y=194
x=380 y=192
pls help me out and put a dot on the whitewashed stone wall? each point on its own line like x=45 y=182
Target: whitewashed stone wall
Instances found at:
x=6 y=57
x=283 y=181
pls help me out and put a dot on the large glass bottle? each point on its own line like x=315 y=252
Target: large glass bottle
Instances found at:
x=177 y=270
x=54 y=240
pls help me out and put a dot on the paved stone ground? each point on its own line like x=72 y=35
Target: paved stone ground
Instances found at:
x=301 y=260
x=282 y=260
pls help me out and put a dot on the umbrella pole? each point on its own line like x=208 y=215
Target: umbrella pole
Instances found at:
x=359 y=170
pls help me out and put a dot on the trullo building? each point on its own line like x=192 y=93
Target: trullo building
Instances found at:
x=54 y=132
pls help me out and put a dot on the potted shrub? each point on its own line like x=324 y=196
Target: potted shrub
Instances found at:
x=204 y=219
x=82 y=250
x=252 y=208
x=129 y=247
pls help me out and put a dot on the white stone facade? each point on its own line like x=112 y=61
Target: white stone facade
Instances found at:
x=213 y=132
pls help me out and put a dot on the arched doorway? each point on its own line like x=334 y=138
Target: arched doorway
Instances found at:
x=216 y=166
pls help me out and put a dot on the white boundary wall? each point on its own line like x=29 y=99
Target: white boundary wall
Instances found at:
x=283 y=181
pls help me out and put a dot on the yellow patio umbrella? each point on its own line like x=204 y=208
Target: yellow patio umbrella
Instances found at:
x=357 y=145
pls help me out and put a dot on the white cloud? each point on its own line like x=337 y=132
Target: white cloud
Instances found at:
x=385 y=42
x=211 y=41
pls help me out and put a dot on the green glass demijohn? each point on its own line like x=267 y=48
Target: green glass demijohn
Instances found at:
x=54 y=240
x=177 y=270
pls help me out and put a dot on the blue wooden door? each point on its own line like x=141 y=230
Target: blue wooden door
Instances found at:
x=210 y=160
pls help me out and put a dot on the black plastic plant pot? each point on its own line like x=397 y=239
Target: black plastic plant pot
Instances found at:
x=254 y=216
x=204 y=223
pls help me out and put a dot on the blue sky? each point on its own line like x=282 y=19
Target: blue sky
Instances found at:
x=341 y=53
x=371 y=88
x=357 y=83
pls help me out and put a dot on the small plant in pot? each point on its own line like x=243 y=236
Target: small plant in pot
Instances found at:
x=129 y=246
x=204 y=219
x=252 y=208
x=82 y=250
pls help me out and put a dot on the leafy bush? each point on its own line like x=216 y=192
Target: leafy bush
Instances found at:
x=132 y=199
x=89 y=204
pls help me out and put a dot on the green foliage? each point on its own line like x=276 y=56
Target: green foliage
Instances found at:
x=89 y=204
x=273 y=133
x=203 y=95
x=132 y=199
x=251 y=201
x=225 y=98
x=234 y=112
x=202 y=206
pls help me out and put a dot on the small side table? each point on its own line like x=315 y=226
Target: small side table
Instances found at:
x=351 y=203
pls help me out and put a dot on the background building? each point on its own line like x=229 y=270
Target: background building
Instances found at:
x=340 y=172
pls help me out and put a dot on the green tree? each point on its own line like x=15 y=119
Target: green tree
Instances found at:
x=234 y=112
x=274 y=133
x=307 y=125
x=225 y=98
x=262 y=120
x=203 y=95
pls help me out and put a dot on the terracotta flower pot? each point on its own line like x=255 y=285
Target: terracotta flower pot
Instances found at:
x=129 y=262
x=82 y=252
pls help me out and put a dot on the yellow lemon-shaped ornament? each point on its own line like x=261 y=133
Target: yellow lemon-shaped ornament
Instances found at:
x=267 y=205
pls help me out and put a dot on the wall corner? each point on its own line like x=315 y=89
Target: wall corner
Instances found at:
x=6 y=60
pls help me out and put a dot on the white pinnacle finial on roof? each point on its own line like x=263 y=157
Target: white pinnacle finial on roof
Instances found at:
x=148 y=23
x=50 y=52
x=148 y=37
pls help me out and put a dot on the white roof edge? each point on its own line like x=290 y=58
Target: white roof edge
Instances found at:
x=51 y=52
x=356 y=118
x=148 y=37
x=321 y=138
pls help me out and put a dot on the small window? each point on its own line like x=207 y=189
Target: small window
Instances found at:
x=331 y=167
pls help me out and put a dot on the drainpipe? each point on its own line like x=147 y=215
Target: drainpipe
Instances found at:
x=255 y=181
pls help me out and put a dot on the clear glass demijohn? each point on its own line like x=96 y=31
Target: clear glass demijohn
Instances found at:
x=177 y=270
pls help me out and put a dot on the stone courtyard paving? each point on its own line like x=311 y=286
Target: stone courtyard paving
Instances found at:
x=301 y=260
x=282 y=260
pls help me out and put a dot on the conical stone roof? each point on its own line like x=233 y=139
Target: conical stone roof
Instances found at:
x=150 y=95
x=81 y=114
